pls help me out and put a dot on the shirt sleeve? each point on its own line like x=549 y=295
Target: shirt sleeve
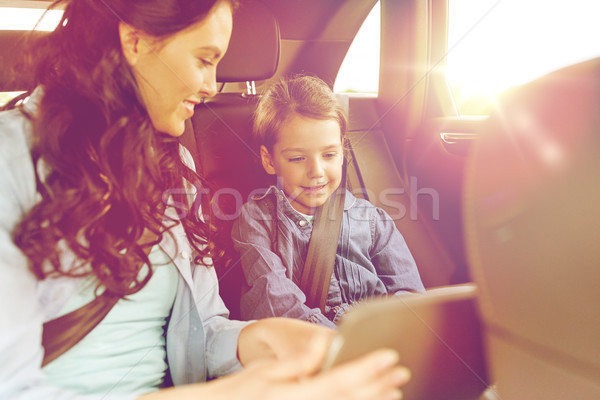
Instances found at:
x=270 y=292
x=391 y=257
x=221 y=333
x=336 y=313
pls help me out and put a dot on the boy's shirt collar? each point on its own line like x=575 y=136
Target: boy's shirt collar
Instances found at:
x=284 y=204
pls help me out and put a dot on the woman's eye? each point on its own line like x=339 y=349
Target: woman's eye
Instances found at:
x=206 y=62
x=329 y=155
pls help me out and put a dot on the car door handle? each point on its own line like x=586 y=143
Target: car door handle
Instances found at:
x=457 y=137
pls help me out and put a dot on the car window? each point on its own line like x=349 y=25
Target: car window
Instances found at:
x=359 y=72
x=13 y=18
x=25 y=19
x=496 y=44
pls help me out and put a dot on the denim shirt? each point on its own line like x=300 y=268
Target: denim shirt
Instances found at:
x=272 y=239
x=201 y=342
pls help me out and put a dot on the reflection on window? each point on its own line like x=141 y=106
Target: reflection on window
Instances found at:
x=359 y=73
x=496 y=44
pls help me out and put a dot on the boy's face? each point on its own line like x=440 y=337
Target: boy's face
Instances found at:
x=307 y=158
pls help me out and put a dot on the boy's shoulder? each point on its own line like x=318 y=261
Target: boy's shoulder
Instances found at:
x=362 y=209
x=354 y=203
x=263 y=201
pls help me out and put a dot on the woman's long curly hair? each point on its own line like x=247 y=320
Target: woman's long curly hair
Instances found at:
x=109 y=170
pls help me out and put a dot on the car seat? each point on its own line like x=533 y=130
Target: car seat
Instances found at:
x=219 y=136
x=532 y=221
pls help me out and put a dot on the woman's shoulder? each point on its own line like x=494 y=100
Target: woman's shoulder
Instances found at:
x=17 y=177
x=15 y=133
x=16 y=165
x=16 y=128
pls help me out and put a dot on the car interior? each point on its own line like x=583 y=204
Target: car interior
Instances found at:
x=505 y=204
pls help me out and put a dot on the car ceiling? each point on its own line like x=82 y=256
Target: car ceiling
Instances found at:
x=299 y=20
x=315 y=34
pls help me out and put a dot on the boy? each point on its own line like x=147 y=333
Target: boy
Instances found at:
x=300 y=128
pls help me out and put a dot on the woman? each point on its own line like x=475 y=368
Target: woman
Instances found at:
x=89 y=163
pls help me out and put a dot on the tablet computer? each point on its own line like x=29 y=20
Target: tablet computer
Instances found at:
x=437 y=335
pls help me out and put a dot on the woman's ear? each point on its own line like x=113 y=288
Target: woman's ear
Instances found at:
x=267 y=160
x=130 y=43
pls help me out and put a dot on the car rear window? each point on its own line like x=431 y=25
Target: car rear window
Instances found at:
x=497 y=44
x=359 y=72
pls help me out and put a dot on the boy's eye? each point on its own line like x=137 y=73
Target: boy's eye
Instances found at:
x=329 y=155
x=295 y=159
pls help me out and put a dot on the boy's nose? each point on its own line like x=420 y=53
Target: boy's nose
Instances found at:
x=315 y=169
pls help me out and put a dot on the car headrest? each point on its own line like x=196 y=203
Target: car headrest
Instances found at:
x=532 y=221
x=253 y=52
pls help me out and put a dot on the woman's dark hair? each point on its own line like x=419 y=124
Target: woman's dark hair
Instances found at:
x=303 y=95
x=109 y=171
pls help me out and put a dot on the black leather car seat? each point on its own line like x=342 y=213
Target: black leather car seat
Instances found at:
x=219 y=136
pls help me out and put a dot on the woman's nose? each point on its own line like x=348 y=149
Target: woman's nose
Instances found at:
x=209 y=88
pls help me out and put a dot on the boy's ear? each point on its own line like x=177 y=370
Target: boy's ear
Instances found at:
x=133 y=43
x=267 y=160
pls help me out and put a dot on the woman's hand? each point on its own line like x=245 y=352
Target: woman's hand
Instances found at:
x=374 y=376
x=284 y=339
x=282 y=358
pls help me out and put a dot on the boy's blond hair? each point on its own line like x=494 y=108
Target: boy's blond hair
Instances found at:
x=303 y=95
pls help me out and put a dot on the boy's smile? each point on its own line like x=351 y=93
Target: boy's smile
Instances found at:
x=307 y=159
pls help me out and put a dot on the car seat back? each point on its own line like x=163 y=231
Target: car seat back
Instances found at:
x=220 y=137
x=532 y=221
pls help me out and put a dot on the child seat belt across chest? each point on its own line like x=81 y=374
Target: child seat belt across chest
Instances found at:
x=322 y=248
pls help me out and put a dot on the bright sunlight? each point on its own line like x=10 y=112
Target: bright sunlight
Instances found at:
x=496 y=44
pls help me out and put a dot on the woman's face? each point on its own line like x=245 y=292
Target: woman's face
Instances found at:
x=175 y=73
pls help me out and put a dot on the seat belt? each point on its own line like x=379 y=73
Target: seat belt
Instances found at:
x=62 y=333
x=322 y=248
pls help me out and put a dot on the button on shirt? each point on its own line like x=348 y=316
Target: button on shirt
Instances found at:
x=272 y=239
